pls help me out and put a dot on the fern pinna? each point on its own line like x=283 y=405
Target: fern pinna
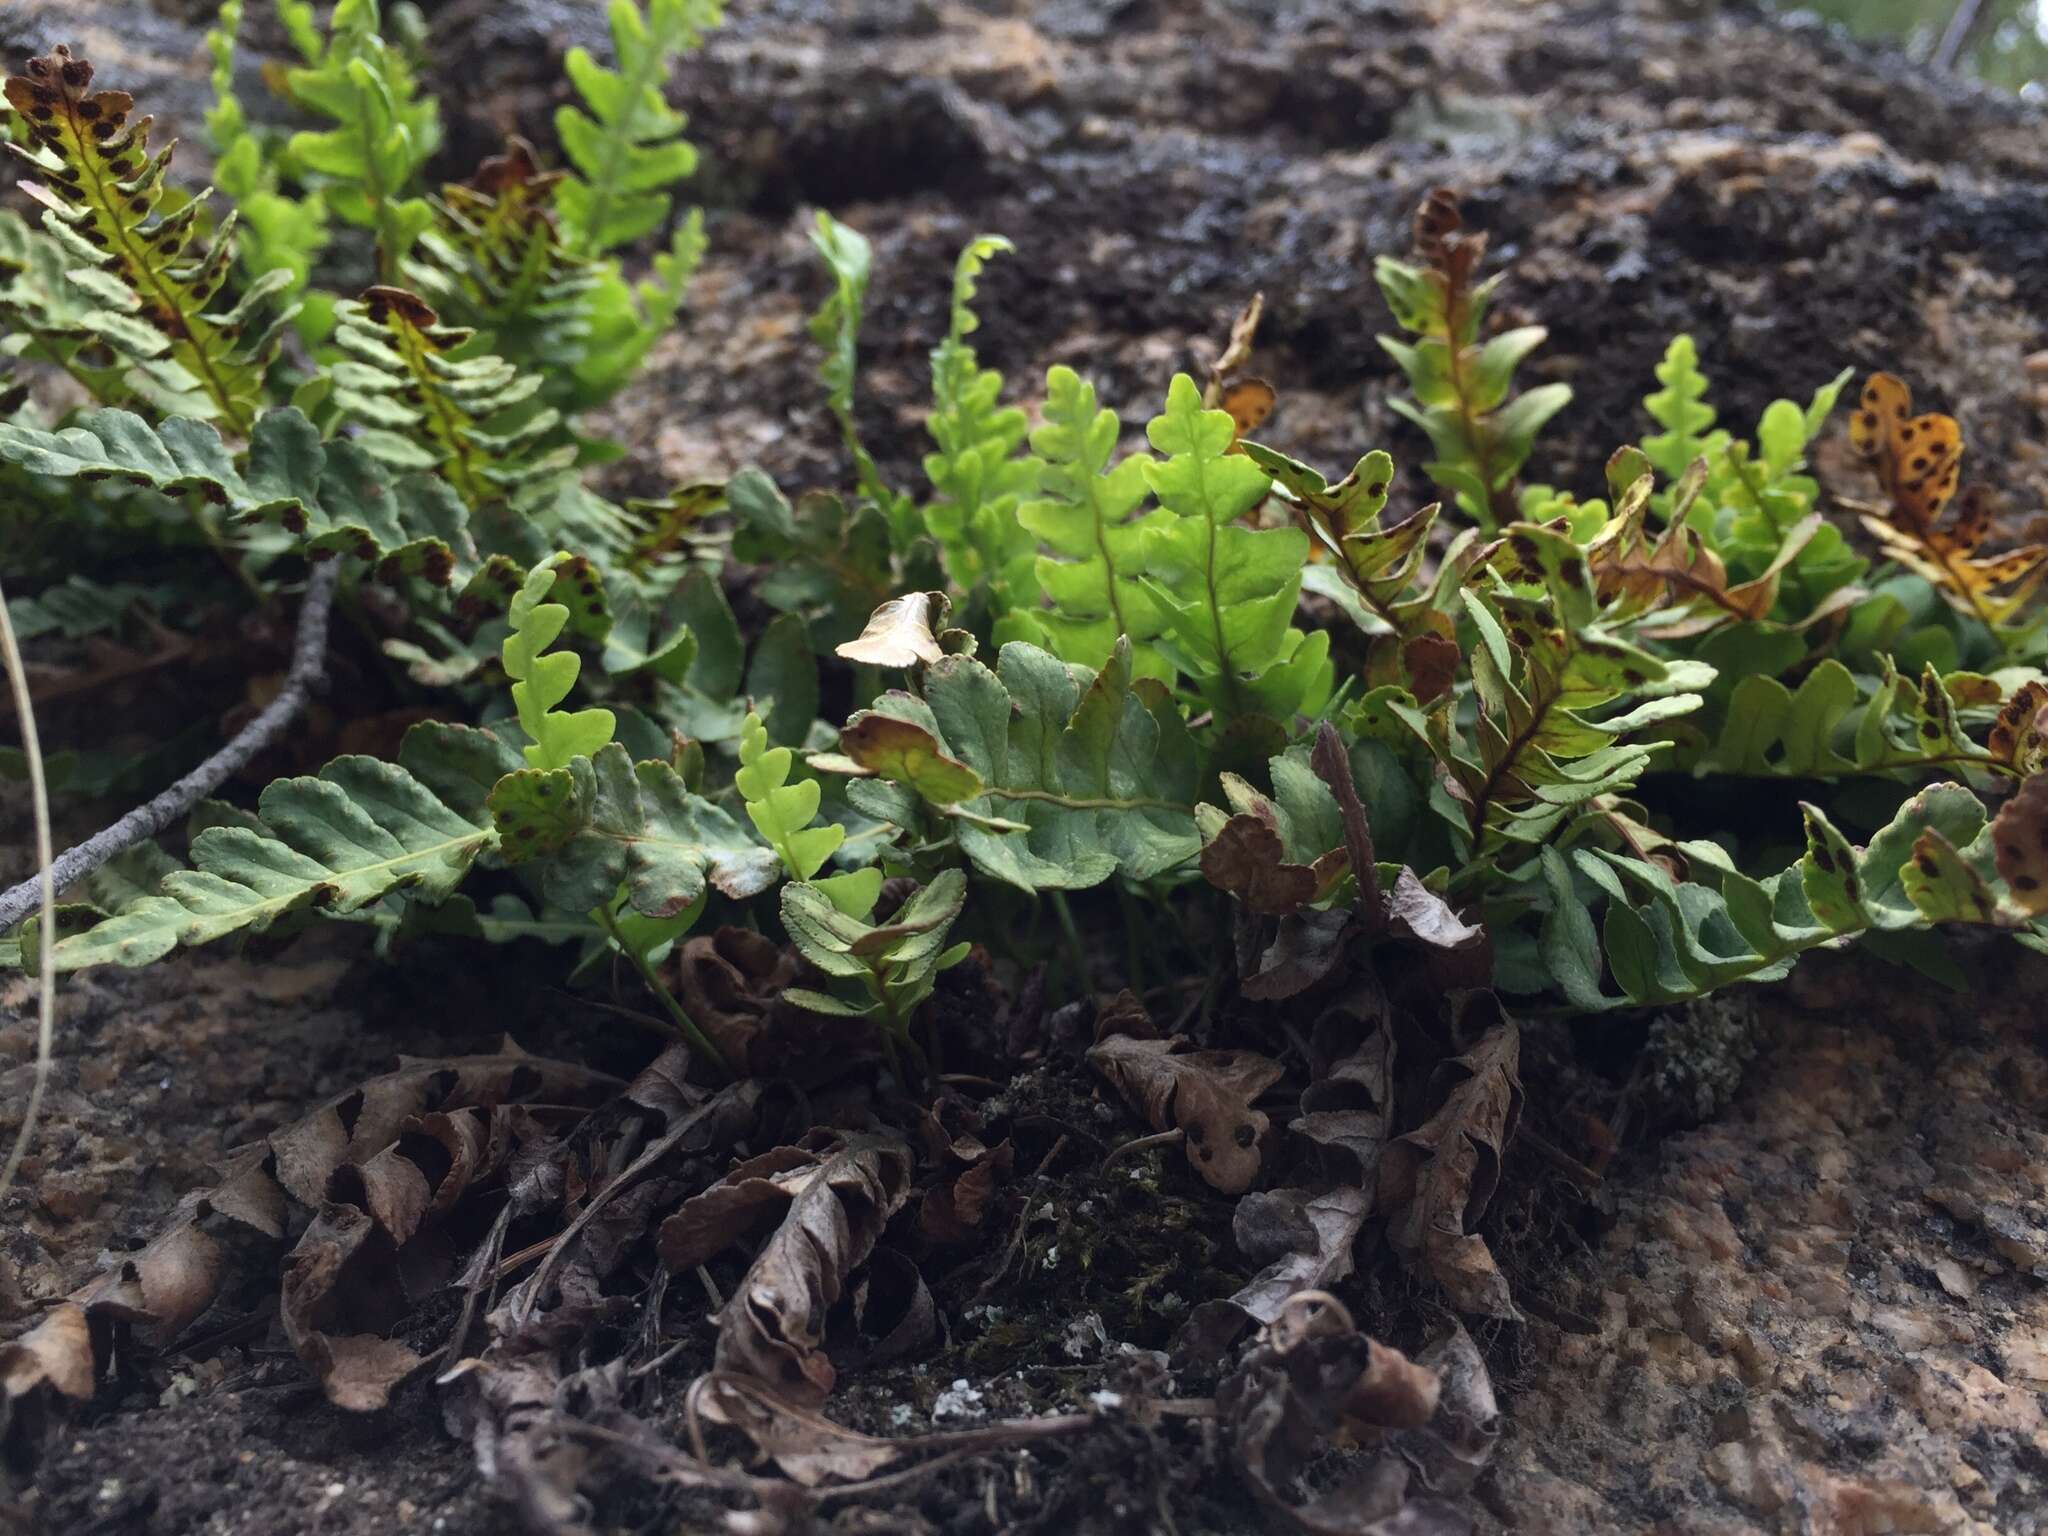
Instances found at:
x=101 y=186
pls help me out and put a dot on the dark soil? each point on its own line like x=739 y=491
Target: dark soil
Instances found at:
x=1826 y=1309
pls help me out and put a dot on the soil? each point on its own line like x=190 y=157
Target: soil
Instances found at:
x=1823 y=1309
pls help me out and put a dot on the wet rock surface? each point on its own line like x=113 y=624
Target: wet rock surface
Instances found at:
x=1824 y=1310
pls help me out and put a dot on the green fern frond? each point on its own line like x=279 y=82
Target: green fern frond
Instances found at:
x=782 y=813
x=541 y=679
x=100 y=188
x=1084 y=514
x=329 y=496
x=384 y=132
x=977 y=471
x=424 y=404
x=628 y=318
x=836 y=328
x=1227 y=592
x=628 y=146
x=276 y=230
x=47 y=316
x=361 y=830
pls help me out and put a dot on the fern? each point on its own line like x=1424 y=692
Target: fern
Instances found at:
x=494 y=262
x=891 y=967
x=782 y=813
x=1462 y=385
x=1227 y=592
x=385 y=132
x=1094 y=575
x=1381 y=565
x=1680 y=408
x=1666 y=940
x=541 y=680
x=977 y=471
x=277 y=231
x=48 y=316
x=329 y=497
x=1559 y=692
x=424 y=404
x=836 y=328
x=360 y=831
x=1049 y=776
x=628 y=146
x=100 y=189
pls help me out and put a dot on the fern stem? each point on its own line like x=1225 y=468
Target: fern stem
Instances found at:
x=686 y=1027
x=309 y=651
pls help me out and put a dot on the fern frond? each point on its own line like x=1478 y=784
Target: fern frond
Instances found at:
x=100 y=190
x=276 y=230
x=836 y=327
x=977 y=470
x=1666 y=940
x=1463 y=385
x=1227 y=592
x=424 y=404
x=494 y=261
x=329 y=496
x=359 y=831
x=384 y=132
x=1084 y=515
x=782 y=813
x=628 y=318
x=47 y=316
x=541 y=678
x=628 y=146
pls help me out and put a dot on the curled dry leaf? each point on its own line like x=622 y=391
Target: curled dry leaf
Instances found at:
x=2019 y=841
x=1248 y=858
x=1206 y=1094
x=732 y=983
x=812 y=1449
x=807 y=1446
x=361 y=1161
x=752 y=1198
x=1436 y=1181
x=1309 y=1376
x=1308 y=948
x=956 y=1205
x=773 y=1328
x=903 y=632
x=1453 y=1449
x=1347 y=1107
x=1304 y=1239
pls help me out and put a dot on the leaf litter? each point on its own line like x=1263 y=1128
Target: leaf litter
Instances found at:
x=806 y=1227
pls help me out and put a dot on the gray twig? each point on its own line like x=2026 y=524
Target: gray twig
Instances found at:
x=1956 y=36
x=308 y=667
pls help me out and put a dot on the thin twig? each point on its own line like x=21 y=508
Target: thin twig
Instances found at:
x=308 y=667
x=1956 y=35
x=42 y=887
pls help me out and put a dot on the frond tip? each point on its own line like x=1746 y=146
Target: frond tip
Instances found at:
x=100 y=188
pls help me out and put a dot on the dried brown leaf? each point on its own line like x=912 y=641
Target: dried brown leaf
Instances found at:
x=56 y=1353
x=1436 y=1181
x=1248 y=859
x=1310 y=1375
x=1206 y=1094
x=1347 y=1107
x=773 y=1328
x=751 y=1198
